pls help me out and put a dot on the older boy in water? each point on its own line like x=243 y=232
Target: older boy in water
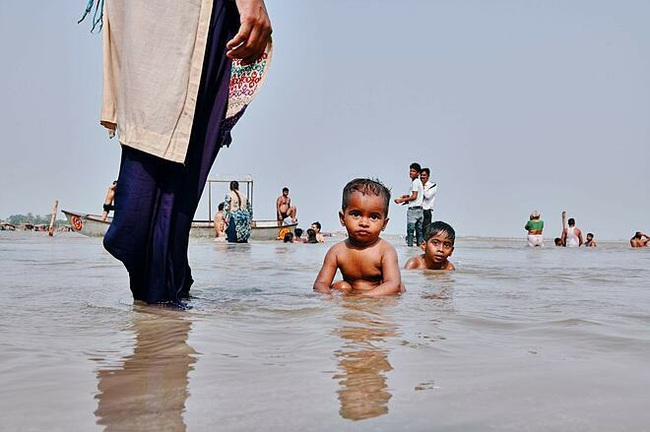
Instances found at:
x=367 y=263
x=438 y=245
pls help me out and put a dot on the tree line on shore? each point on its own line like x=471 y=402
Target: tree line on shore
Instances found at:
x=30 y=218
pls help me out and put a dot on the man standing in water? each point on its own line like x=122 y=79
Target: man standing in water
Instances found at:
x=429 y=190
x=414 y=214
x=571 y=235
x=170 y=139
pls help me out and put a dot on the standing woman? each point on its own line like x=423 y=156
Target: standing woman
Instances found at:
x=198 y=52
x=535 y=226
x=238 y=215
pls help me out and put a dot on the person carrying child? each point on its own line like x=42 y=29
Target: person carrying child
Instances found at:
x=367 y=263
x=438 y=245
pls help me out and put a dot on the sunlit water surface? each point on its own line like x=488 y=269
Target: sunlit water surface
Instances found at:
x=516 y=339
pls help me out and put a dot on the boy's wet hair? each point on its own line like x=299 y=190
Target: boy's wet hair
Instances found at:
x=439 y=227
x=416 y=166
x=366 y=186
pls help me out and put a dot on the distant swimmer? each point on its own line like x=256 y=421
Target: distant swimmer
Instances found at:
x=109 y=201
x=367 y=262
x=590 y=240
x=535 y=226
x=298 y=235
x=311 y=236
x=316 y=226
x=284 y=209
x=438 y=245
x=571 y=235
x=639 y=240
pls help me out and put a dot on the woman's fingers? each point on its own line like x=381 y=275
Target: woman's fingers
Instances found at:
x=254 y=32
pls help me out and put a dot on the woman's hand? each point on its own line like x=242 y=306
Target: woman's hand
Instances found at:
x=254 y=32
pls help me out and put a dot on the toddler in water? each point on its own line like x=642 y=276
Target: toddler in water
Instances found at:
x=438 y=245
x=368 y=263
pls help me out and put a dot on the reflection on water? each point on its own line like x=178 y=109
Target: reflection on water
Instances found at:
x=362 y=360
x=149 y=390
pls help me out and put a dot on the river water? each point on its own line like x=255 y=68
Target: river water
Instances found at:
x=516 y=339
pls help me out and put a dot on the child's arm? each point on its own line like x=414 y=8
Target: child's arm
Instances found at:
x=326 y=274
x=392 y=278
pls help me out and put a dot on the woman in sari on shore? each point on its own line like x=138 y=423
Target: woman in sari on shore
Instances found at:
x=238 y=215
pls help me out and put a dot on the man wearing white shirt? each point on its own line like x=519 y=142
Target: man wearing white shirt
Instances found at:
x=429 y=196
x=414 y=214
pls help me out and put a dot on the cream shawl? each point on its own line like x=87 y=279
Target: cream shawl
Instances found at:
x=153 y=111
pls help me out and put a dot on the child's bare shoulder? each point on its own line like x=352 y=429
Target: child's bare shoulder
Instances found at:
x=386 y=246
x=414 y=263
x=338 y=249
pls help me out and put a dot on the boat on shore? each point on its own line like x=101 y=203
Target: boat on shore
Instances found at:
x=92 y=225
x=261 y=229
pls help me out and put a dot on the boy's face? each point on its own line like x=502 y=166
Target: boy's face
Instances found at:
x=438 y=248
x=424 y=177
x=364 y=218
x=413 y=173
x=590 y=237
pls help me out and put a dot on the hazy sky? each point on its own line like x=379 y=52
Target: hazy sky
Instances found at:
x=514 y=105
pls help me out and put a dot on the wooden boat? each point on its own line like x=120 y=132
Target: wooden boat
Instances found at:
x=92 y=225
x=261 y=229
x=87 y=224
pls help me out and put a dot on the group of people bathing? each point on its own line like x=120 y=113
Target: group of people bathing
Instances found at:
x=232 y=222
x=313 y=234
x=571 y=235
x=285 y=209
